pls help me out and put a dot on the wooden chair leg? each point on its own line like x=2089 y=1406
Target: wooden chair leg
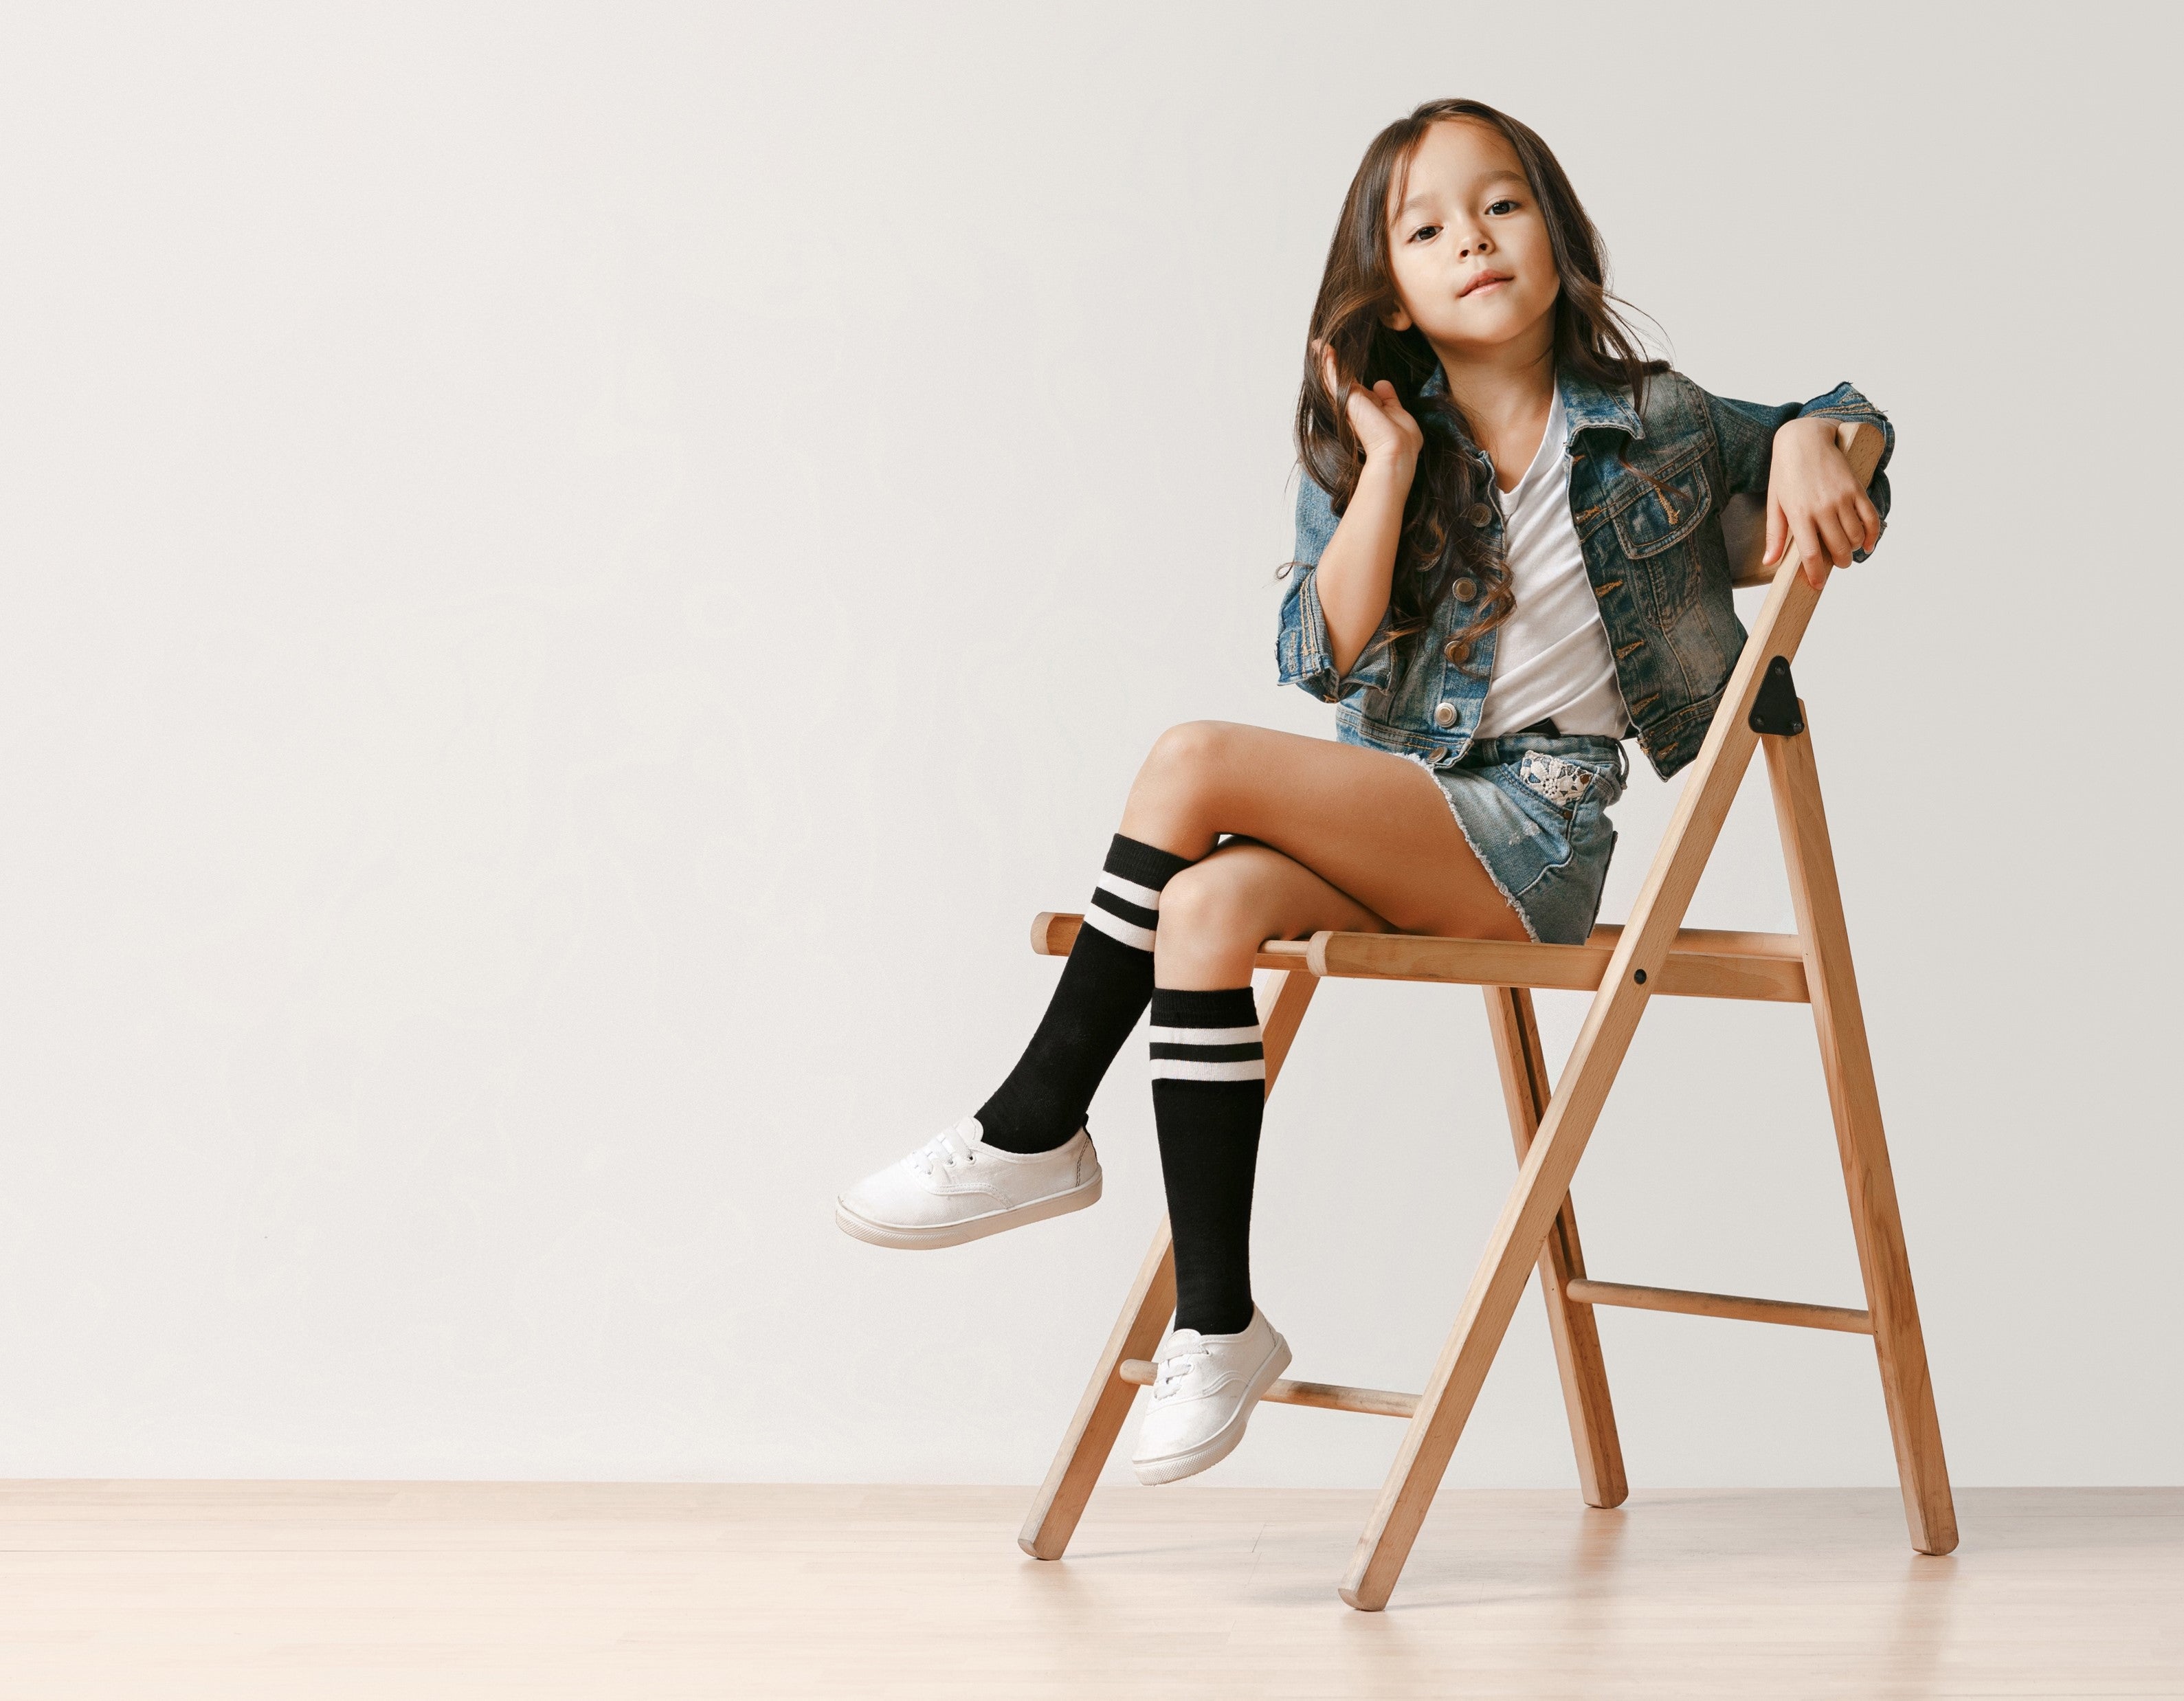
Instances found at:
x=1053 y=1517
x=1137 y=1333
x=1576 y=1335
x=1512 y=1250
x=1544 y=1182
x=1876 y=1220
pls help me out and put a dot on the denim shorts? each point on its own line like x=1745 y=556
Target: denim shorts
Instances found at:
x=1535 y=811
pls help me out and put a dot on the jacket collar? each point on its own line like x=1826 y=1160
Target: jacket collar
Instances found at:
x=1586 y=406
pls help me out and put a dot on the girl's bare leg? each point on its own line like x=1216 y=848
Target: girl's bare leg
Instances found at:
x=1348 y=838
x=1351 y=839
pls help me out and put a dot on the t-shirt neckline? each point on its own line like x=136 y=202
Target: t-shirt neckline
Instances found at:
x=1549 y=451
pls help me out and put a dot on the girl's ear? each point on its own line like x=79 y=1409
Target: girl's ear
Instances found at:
x=1397 y=321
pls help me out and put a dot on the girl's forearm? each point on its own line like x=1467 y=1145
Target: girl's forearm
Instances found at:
x=1358 y=566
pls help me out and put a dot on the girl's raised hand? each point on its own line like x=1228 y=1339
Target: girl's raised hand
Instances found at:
x=1387 y=433
x=1814 y=497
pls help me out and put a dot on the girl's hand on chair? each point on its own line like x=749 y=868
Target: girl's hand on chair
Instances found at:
x=1814 y=497
x=1390 y=437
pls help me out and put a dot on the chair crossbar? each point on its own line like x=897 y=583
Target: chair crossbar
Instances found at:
x=1328 y=1396
x=1798 y=1315
x=1550 y=1123
x=1702 y=962
x=1338 y=1396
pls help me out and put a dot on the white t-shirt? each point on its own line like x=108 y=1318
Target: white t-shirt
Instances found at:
x=1551 y=657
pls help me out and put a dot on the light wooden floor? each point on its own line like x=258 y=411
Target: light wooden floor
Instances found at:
x=335 y=1590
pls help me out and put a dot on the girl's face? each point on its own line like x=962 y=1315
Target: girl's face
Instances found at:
x=1474 y=267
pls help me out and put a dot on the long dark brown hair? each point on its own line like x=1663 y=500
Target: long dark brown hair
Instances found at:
x=1439 y=544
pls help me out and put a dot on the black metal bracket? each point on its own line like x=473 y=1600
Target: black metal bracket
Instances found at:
x=1775 y=711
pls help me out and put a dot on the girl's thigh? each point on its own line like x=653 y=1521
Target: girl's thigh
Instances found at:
x=1373 y=827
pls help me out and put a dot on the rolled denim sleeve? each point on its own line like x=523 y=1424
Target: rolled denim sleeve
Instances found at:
x=1746 y=431
x=1303 y=656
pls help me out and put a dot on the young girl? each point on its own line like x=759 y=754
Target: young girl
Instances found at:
x=1509 y=559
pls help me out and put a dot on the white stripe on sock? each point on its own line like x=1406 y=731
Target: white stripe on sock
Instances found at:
x=1144 y=897
x=1205 y=1036
x=1128 y=933
x=1190 y=1070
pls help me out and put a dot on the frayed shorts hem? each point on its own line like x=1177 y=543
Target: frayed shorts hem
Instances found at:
x=1508 y=897
x=1535 y=813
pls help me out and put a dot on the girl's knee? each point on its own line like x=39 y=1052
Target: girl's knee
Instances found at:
x=1213 y=903
x=1190 y=750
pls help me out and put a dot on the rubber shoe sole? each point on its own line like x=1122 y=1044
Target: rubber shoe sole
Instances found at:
x=1222 y=1442
x=971 y=1229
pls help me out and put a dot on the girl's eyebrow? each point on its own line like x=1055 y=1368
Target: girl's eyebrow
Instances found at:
x=1504 y=176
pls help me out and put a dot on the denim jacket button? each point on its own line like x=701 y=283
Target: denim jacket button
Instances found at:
x=1463 y=590
x=1444 y=716
x=1479 y=513
x=1453 y=649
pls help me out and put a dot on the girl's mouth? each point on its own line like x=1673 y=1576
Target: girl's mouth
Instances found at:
x=1485 y=280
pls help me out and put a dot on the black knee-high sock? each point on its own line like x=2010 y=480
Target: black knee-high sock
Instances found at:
x=1101 y=993
x=1209 y=1094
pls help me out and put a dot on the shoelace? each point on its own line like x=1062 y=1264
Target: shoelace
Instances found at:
x=943 y=1152
x=1175 y=1368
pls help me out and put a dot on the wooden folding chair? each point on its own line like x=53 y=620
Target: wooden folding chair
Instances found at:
x=1652 y=953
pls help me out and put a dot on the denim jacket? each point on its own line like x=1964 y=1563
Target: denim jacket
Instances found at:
x=1647 y=493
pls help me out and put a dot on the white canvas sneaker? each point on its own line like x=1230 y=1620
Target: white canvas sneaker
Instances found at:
x=956 y=1188
x=1203 y=1396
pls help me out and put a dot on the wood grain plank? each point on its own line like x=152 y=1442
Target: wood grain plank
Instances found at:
x=394 y=1591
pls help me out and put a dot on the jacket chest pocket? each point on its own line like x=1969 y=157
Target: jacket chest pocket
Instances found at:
x=1655 y=525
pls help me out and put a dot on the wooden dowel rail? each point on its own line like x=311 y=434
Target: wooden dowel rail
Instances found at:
x=1586 y=1291
x=1329 y=1397
x=1702 y=962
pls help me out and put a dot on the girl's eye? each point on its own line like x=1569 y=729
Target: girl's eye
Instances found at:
x=1503 y=206
x=1425 y=233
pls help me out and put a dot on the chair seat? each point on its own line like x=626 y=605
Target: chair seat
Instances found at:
x=1703 y=963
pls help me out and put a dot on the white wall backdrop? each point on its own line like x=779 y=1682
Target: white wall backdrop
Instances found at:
x=574 y=574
